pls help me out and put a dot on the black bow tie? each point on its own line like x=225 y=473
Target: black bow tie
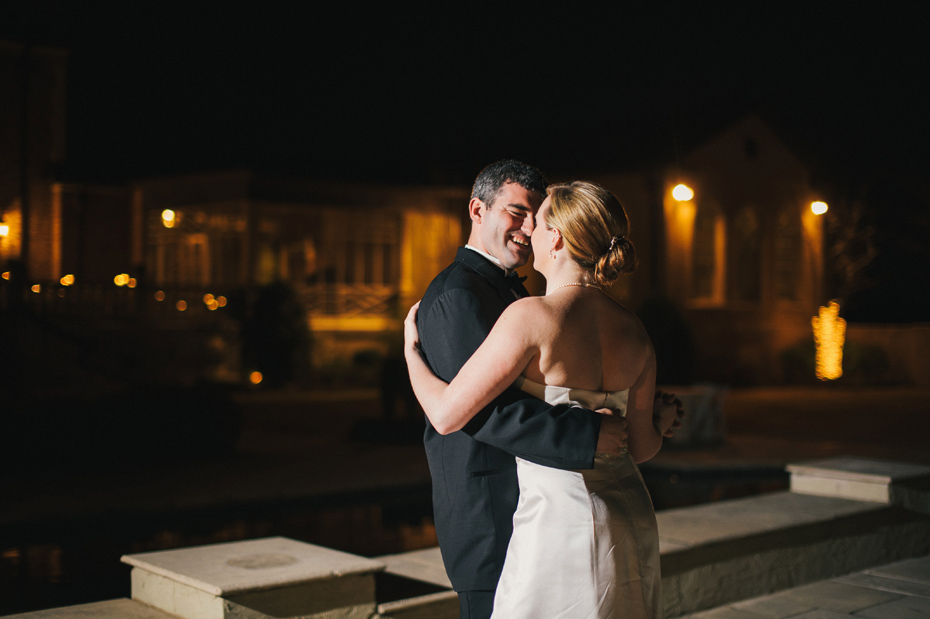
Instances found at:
x=515 y=282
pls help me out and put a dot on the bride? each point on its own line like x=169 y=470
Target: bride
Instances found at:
x=585 y=542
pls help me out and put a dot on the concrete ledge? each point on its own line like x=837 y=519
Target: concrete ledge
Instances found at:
x=861 y=479
x=109 y=609
x=443 y=605
x=727 y=551
x=272 y=577
x=423 y=565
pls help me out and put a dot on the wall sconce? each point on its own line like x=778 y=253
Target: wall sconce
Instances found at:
x=818 y=208
x=168 y=218
x=4 y=229
x=682 y=192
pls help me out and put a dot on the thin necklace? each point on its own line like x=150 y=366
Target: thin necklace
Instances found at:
x=573 y=284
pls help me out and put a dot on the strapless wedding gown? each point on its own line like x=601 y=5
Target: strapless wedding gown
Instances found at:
x=585 y=543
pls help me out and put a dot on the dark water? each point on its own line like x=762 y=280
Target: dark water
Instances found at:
x=50 y=564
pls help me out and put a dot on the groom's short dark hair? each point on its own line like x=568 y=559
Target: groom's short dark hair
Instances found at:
x=493 y=177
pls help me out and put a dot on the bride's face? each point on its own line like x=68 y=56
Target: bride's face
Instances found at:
x=541 y=238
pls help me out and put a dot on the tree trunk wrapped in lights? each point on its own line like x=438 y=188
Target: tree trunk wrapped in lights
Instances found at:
x=829 y=336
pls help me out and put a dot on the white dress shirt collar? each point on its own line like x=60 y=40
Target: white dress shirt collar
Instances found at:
x=489 y=257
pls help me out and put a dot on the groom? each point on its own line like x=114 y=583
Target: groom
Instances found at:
x=474 y=472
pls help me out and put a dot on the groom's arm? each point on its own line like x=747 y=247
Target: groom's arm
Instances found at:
x=452 y=327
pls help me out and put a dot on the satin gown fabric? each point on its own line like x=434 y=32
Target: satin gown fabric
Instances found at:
x=585 y=543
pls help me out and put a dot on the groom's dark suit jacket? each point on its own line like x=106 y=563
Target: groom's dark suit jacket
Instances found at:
x=474 y=472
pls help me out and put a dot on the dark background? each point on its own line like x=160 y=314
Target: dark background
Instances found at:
x=385 y=92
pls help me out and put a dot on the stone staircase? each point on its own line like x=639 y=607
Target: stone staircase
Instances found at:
x=840 y=516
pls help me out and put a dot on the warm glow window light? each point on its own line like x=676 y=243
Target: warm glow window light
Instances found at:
x=829 y=335
x=818 y=208
x=682 y=193
x=4 y=230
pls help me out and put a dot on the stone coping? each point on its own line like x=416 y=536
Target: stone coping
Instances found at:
x=423 y=565
x=255 y=565
x=860 y=469
x=736 y=519
x=121 y=608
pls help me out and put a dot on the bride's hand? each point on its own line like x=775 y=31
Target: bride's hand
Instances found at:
x=411 y=335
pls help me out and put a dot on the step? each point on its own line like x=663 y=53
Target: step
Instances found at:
x=270 y=577
x=435 y=601
x=864 y=479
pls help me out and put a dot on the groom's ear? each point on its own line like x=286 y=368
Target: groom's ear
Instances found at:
x=476 y=210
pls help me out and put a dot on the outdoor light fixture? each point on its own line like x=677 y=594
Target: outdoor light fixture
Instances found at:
x=168 y=218
x=829 y=336
x=682 y=192
x=818 y=208
x=4 y=229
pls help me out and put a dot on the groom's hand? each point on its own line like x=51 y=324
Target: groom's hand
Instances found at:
x=613 y=436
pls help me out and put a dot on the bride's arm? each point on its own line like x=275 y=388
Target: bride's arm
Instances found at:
x=645 y=439
x=504 y=354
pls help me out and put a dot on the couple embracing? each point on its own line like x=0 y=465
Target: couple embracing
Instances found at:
x=540 y=509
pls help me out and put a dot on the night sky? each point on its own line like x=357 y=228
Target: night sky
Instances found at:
x=385 y=92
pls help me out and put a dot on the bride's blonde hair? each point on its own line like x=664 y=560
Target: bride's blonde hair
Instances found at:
x=594 y=228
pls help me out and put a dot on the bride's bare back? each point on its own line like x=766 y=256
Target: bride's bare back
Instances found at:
x=586 y=340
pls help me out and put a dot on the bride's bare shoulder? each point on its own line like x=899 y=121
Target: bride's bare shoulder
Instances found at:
x=529 y=311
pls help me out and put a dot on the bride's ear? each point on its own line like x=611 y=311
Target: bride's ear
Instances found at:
x=556 y=239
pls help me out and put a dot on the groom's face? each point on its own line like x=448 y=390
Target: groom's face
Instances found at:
x=505 y=228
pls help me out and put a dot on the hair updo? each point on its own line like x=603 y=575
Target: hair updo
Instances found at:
x=594 y=228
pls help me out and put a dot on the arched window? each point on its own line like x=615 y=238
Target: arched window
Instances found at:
x=787 y=253
x=707 y=253
x=747 y=255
